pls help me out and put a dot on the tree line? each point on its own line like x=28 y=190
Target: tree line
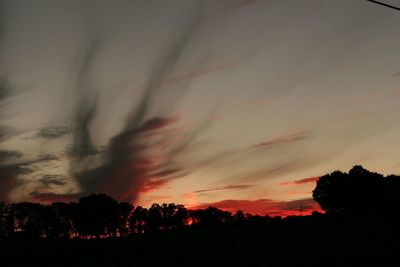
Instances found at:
x=359 y=194
x=100 y=216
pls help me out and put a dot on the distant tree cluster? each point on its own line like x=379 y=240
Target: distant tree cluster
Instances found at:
x=359 y=193
x=100 y=216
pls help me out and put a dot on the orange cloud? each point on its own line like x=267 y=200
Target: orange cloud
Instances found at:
x=299 y=193
x=158 y=198
x=190 y=200
x=153 y=185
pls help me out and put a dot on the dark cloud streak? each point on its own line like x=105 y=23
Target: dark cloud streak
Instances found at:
x=57 y=180
x=286 y=138
x=8 y=171
x=52 y=132
x=127 y=167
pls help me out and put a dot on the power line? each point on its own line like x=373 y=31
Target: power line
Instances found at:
x=384 y=4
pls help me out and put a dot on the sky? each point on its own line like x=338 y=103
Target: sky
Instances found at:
x=239 y=104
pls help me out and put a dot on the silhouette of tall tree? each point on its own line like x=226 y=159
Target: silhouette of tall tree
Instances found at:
x=239 y=218
x=358 y=193
x=60 y=217
x=138 y=220
x=3 y=211
x=155 y=218
x=29 y=219
x=181 y=217
x=168 y=213
x=124 y=209
x=97 y=215
x=211 y=216
x=392 y=205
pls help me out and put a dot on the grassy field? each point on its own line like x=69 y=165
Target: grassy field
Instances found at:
x=323 y=245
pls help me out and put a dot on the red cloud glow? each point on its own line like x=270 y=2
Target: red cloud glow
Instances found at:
x=153 y=185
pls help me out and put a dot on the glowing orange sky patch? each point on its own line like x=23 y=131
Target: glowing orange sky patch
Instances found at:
x=190 y=200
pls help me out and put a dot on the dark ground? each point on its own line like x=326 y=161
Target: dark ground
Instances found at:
x=323 y=245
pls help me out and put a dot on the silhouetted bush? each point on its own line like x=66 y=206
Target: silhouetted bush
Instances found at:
x=358 y=194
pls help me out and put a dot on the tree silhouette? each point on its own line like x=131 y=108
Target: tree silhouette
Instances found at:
x=124 y=209
x=211 y=216
x=3 y=211
x=155 y=218
x=138 y=220
x=29 y=219
x=239 y=218
x=168 y=212
x=60 y=218
x=97 y=215
x=357 y=193
x=392 y=205
x=181 y=217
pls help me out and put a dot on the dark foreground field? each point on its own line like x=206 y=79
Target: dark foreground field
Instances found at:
x=326 y=245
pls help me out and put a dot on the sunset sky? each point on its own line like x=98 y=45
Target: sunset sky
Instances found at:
x=241 y=104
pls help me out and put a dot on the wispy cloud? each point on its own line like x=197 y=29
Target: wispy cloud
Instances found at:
x=158 y=198
x=310 y=180
x=395 y=74
x=156 y=123
x=228 y=187
x=134 y=156
x=289 y=137
x=7 y=155
x=201 y=72
x=154 y=184
x=169 y=172
x=58 y=180
x=12 y=165
x=52 y=132
x=6 y=92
